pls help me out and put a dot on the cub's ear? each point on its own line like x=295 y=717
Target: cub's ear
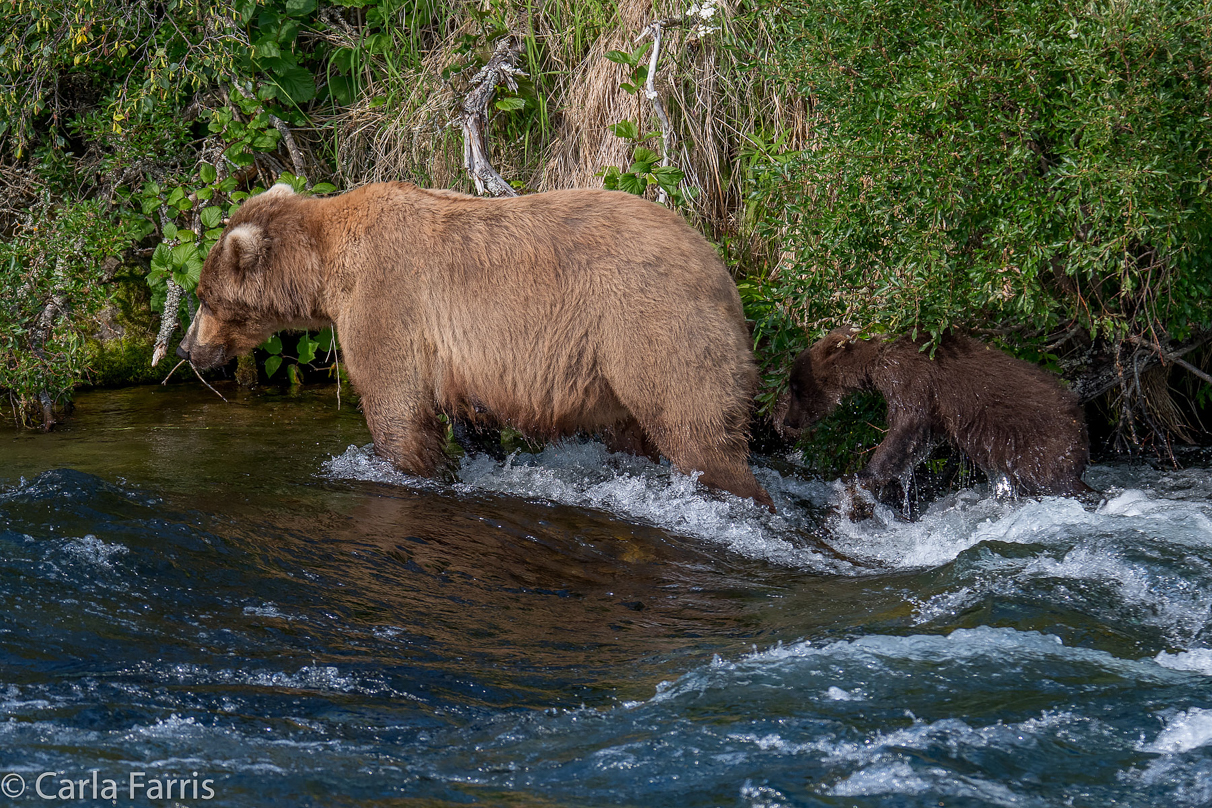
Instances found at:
x=835 y=344
x=247 y=244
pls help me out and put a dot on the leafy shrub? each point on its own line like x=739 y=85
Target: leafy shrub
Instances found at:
x=1034 y=167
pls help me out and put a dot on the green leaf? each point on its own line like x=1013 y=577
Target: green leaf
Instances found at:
x=273 y=345
x=306 y=349
x=211 y=216
x=288 y=31
x=627 y=130
x=668 y=177
x=632 y=184
x=162 y=258
x=610 y=178
x=511 y=103
x=266 y=141
x=621 y=58
x=208 y=173
x=169 y=231
x=645 y=155
x=323 y=188
x=298 y=84
x=272 y=363
x=324 y=339
x=300 y=8
x=266 y=48
x=182 y=253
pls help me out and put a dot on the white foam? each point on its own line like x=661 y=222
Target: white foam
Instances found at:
x=314 y=678
x=586 y=474
x=1197 y=660
x=1154 y=596
x=760 y=796
x=91 y=549
x=895 y=777
x=836 y=693
x=1187 y=730
x=267 y=610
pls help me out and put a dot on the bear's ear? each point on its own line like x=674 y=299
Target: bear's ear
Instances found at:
x=247 y=243
x=279 y=188
x=836 y=345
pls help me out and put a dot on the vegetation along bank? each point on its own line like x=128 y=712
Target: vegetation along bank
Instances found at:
x=1035 y=175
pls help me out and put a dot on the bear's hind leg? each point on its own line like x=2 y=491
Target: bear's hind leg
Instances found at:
x=724 y=465
x=629 y=437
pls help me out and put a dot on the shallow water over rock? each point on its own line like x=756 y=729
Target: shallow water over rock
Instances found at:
x=243 y=594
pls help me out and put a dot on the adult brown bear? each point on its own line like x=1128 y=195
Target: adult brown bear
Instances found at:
x=553 y=313
x=1010 y=417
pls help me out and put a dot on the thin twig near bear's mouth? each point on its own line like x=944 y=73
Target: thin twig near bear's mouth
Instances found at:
x=196 y=373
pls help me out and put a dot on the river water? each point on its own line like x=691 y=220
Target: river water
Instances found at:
x=240 y=601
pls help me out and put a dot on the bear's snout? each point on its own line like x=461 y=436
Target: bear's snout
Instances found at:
x=795 y=415
x=181 y=352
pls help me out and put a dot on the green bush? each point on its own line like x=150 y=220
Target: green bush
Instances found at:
x=1028 y=168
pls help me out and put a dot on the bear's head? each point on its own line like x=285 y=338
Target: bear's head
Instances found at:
x=824 y=374
x=263 y=275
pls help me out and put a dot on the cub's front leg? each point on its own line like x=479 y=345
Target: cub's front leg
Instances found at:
x=906 y=444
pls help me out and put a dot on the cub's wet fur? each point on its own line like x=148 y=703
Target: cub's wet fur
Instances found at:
x=1009 y=416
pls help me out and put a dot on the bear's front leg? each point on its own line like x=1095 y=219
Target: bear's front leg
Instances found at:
x=406 y=431
x=389 y=371
x=906 y=443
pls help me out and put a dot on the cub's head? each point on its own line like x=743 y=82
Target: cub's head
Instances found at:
x=826 y=373
x=262 y=276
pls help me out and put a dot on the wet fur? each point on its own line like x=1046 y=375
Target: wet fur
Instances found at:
x=553 y=313
x=1008 y=416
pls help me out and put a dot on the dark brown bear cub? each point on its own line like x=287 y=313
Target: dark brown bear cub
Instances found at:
x=1010 y=417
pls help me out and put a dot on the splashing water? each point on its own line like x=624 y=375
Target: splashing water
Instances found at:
x=189 y=587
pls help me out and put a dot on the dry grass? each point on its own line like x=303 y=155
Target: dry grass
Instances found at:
x=582 y=145
x=715 y=99
x=399 y=128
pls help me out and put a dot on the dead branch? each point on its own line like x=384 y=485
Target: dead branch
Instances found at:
x=172 y=305
x=1091 y=375
x=1173 y=357
x=668 y=138
x=473 y=117
x=296 y=155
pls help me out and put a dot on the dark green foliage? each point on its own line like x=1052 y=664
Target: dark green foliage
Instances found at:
x=1031 y=166
x=139 y=124
x=52 y=283
x=841 y=443
x=311 y=353
x=1035 y=171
